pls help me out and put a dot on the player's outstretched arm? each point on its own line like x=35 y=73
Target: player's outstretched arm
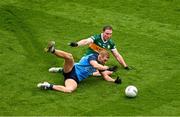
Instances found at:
x=98 y=66
x=108 y=78
x=120 y=59
x=81 y=42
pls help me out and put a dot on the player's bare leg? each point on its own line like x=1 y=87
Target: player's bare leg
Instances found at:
x=68 y=58
x=70 y=86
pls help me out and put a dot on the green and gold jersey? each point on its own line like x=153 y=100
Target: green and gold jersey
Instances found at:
x=99 y=44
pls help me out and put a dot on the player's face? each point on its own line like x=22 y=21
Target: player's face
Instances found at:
x=103 y=59
x=107 y=34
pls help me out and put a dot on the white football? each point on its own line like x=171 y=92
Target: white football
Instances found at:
x=131 y=91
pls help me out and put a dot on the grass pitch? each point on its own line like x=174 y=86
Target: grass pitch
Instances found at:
x=146 y=33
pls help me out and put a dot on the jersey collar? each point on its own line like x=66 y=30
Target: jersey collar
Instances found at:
x=103 y=38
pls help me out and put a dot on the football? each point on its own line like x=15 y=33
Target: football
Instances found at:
x=131 y=91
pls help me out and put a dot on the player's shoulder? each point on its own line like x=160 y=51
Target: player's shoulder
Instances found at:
x=93 y=56
x=111 y=41
x=96 y=36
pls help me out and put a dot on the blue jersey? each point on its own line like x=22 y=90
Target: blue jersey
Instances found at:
x=83 y=68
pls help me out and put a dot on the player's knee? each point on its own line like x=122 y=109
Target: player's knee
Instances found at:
x=70 y=56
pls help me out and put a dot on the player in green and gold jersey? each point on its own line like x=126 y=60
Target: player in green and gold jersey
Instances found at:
x=100 y=42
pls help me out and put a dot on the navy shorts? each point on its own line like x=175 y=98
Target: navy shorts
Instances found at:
x=71 y=75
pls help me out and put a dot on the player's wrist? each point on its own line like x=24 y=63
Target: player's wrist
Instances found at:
x=106 y=67
x=113 y=68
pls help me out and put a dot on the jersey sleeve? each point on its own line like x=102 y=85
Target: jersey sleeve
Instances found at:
x=94 y=37
x=93 y=57
x=90 y=40
x=112 y=45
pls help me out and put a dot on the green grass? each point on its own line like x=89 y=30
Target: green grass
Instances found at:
x=146 y=33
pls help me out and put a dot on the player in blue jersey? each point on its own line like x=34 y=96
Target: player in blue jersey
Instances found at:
x=76 y=72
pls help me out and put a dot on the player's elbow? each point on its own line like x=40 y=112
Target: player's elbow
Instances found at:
x=69 y=56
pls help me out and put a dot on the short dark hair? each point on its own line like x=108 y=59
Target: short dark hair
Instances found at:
x=107 y=28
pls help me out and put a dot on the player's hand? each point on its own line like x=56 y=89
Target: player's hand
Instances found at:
x=113 y=68
x=118 y=80
x=73 y=44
